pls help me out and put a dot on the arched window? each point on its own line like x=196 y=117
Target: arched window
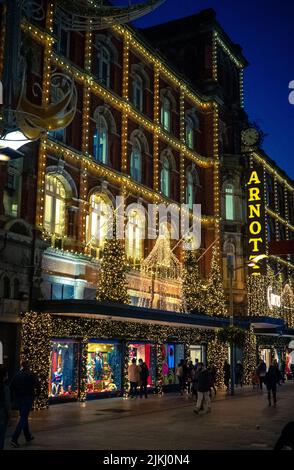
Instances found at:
x=103 y=64
x=135 y=235
x=191 y=189
x=99 y=221
x=229 y=202
x=166 y=113
x=55 y=202
x=190 y=129
x=165 y=176
x=6 y=288
x=136 y=161
x=138 y=92
x=100 y=141
x=16 y=288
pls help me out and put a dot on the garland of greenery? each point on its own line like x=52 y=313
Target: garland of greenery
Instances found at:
x=278 y=342
x=38 y=329
x=249 y=356
x=217 y=353
x=232 y=334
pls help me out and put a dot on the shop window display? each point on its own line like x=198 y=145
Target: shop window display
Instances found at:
x=64 y=369
x=103 y=367
x=172 y=354
x=146 y=352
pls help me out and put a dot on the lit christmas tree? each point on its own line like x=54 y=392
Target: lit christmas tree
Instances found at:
x=192 y=288
x=113 y=284
x=215 y=299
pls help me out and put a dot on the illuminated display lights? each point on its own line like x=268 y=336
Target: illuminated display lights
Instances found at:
x=226 y=49
x=41 y=36
x=276 y=208
x=256 y=222
x=182 y=139
x=241 y=82
x=278 y=218
x=214 y=58
x=125 y=88
x=120 y=104
x=124 y=142
x=272 y=171
x=266 y=217
x=164 y=70
x=216 y=171
x=116 y=178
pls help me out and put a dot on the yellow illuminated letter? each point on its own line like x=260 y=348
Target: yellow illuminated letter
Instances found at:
x=255 y=243
x=254 y=194
x=255 y=227
x=254 y=211
x=254 y=178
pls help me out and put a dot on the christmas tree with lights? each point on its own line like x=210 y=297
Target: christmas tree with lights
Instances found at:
x=113 y=283
x=215 y=299
x=193 y=294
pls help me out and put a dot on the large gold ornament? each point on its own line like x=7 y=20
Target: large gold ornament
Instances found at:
x=34 y=120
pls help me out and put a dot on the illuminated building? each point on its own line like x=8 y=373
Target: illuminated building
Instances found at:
x=144 y=131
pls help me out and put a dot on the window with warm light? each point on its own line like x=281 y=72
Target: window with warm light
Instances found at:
x=55 y=203
x=99 y=221
x=134 y=235
x=165 y=177
x=136 y=161
x=100 y=141
x=166 y=113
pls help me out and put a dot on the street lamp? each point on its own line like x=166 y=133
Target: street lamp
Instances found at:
x=10 y=145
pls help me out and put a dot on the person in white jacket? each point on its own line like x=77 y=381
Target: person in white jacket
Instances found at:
x=133 y=376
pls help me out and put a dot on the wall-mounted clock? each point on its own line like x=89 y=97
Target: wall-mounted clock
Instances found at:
x=250 y=136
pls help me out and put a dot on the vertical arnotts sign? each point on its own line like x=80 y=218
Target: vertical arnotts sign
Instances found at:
x=255 y=217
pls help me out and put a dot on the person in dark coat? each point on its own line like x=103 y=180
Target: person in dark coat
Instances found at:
x=239 y=371
x=261 y=371
x=271 y=380
x=227 y=374
x=204 y=384
x=144 y=374
x=283 y=370
x=5 y=405
x=25 y=387
x=286 y=438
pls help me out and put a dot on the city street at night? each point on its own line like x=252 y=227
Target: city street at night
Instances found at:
x=242 y=422
x=146 y=233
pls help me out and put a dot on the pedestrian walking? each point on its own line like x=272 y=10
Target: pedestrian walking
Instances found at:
x=212 y=380
x=239 y=372
x=278 y=372
x=283 y=370
x=144 y=374
x=180 y=376
x=5 y=405
x=271 y=379
x=227 y=374
x=25 y=387
x=134 y=377
x=190 y=369
x=204 y=382
x=261 y=371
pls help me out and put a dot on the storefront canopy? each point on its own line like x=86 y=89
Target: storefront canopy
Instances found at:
x=128 y=313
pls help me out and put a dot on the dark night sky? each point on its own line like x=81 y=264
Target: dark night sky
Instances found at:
x=265 y=30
